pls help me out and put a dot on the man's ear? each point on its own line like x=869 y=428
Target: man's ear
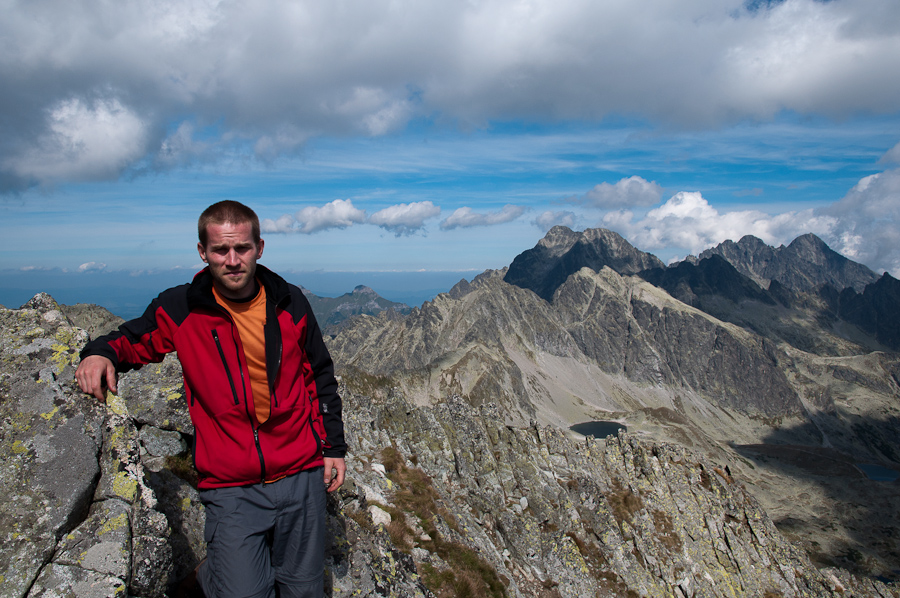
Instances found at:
x=202 y=251
x=262 y=244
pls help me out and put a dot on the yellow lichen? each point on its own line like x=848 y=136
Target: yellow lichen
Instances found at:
x=18 y=447
x=49 y=415
x=113 y=524
x=125 y=486
x=115 y=404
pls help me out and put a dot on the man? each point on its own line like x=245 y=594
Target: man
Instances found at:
x=263 y=399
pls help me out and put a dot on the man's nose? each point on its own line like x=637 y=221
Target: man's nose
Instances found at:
x=231 y=258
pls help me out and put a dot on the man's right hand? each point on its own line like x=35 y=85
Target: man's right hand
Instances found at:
x=94 y=373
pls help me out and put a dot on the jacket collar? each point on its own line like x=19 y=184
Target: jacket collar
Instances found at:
x=200 y=290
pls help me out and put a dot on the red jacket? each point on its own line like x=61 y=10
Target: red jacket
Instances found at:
x=230 y=447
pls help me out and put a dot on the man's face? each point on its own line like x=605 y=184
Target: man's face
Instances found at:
x=231 y=254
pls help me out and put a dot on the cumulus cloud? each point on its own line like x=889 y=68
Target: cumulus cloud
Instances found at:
x=465 y=218
x=630 y=192
x=405 y=219
x=83 y=141
x=547 y=220
x=339 y=213
x=272 y=75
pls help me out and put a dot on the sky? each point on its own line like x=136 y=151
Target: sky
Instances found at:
x=381 y=137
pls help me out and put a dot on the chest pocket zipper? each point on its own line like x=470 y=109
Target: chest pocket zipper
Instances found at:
x=225 y=363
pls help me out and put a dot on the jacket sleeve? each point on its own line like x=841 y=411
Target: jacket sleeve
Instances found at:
x=143 y=340
x=326 y=386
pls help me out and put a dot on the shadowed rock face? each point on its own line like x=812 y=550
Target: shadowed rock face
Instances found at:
x=875 y=310
x=93 y=507
x=563 y=252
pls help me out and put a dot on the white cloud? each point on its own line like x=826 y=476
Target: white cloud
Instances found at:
x=687 y=222
x=547 y=220
x=868 y=222
x=339 y=213
x=83 y=141
x=272 y=75
x=405 y=219
x=92 y=267
x=466 y=218
x=630 y=192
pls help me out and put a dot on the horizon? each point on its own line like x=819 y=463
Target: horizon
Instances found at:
x=127 y=293
x=395 y=136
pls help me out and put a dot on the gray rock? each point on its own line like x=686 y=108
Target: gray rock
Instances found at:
x=162 y=443
x=62 y=581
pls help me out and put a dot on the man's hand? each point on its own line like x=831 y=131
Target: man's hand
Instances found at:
x=335 y=468
x=94 y=373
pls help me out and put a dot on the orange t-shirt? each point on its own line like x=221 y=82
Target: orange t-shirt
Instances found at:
x=250 y=319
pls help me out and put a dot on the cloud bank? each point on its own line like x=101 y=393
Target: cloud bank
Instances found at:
x=94 y=90
x=863 y=226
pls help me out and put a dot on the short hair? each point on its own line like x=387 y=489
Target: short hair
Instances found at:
x=227 y=212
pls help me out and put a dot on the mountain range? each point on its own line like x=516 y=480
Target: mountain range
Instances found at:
x=757 y=388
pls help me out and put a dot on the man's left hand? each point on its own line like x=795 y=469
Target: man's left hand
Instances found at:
x=335 y=468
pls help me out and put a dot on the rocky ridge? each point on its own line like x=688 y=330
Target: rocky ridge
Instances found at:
x=441 y=500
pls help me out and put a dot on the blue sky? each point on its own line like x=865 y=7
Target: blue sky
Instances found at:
x=399 y=136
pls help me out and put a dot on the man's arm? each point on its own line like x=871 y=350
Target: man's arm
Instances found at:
x=135 y=343
x=94 y=373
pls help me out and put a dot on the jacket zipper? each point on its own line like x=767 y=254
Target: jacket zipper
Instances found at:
x=262 y=462
x=251 y=416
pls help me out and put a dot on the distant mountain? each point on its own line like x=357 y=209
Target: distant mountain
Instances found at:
x=806 y=264
x=562 y=252
x=333 y=312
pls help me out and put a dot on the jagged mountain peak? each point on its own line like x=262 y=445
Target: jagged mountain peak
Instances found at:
x=364 y=290
x=562 y=252
x=805 y=264
x=559 y=238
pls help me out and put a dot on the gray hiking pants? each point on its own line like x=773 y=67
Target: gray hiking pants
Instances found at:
x=265 y=534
